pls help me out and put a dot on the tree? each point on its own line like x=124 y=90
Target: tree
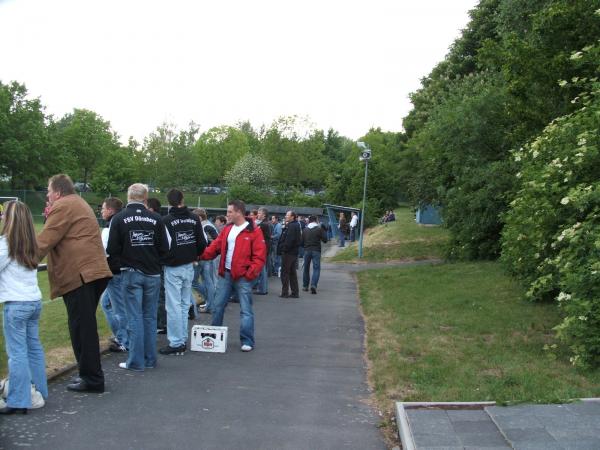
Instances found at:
x=88 y=138
x=24 y=155
x=218 y=150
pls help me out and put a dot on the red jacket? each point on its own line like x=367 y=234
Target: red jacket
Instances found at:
x=249 y=254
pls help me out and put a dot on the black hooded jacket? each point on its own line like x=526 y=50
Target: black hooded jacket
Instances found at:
x=137 y=239
x=184 y=235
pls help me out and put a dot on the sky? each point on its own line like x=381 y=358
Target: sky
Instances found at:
x=345 y=64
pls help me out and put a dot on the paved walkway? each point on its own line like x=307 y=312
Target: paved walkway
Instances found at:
x=574 y=426
x=303 y=387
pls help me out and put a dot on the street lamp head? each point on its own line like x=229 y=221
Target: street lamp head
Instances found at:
x=365 y=151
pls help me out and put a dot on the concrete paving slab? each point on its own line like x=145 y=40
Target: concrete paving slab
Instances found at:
x=304 y=386
x=583 y=443
x=591 y=408
x=468 y=415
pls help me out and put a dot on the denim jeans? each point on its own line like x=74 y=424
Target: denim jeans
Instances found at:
x=114 y=309
x=26 y=362
x=352 y=234
x=342 y=238
x=273 y=267
x=206 y=270
x=276 y=261
x=314 y=257
x=262 y=282
x=140 y=292
x=178 y=291
x=109 y=313
x=161 y=313
x=243 y=288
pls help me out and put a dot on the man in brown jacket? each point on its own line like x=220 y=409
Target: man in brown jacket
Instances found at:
x=77 y=271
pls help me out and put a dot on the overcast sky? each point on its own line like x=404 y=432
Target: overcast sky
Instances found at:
x=345 y=64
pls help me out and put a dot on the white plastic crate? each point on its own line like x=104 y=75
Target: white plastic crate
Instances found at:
x=206 y=338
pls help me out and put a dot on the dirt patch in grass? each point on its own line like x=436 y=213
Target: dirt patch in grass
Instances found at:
x=59 y=358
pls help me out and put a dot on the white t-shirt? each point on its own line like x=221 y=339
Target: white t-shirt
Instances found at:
x=17 y=282
x=233 y=234
x=354 y=222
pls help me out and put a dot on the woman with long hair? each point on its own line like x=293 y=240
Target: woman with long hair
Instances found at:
x=22 y=298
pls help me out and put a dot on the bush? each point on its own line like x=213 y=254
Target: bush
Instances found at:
x=552 y=235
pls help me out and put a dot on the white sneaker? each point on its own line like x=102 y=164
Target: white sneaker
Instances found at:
x=123 y=365
x=246 y=348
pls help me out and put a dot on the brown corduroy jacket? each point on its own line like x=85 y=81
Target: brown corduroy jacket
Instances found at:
x=71 y=239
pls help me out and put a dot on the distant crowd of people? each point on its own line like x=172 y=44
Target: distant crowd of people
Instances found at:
x=143 y=268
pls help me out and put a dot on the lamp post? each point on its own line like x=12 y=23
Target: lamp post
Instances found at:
x=365 y=155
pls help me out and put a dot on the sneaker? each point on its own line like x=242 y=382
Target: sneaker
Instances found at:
x=305 y=288
x=168 y=350
x=313 y=290
x=117 y=348
x=123 y=365
x=246 y=348
x=161 y=331
x=203 y=308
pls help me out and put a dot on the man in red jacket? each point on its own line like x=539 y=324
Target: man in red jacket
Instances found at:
x=243 y=252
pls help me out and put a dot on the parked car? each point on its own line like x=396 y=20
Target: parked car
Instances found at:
x=82 y=187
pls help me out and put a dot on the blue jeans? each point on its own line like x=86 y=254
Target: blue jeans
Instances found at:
x=262 y=282
x=140 y=292
x=26 y=362
x=114 y=309
x=315 y=257
x=243 y=289
x=206 y=289
x=352 y=234
x=272 y=260
x=109 y=313
x=178 y=291
x=342 y=238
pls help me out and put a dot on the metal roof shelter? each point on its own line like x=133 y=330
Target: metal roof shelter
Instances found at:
x=333 y=212
x=280 y=210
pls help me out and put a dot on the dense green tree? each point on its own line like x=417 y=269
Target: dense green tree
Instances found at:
x=218 y=149
x=87 y=138
x=25 y=158
x=497 y=89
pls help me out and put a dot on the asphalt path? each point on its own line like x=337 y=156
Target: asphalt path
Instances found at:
x=302 y=387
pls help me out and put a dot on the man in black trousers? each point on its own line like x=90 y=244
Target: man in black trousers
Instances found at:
x=289 y=244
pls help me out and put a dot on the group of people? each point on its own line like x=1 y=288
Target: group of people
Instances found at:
x=347 y=230
x=142 y=267
x=389 y=216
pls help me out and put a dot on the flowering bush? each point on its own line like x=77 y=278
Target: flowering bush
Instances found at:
x=250 y=170
x=552 y=235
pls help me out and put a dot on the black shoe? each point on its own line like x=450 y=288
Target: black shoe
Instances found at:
x=313 y=290
x=161 y=331
x=305 y=288
x=82 y=386
x=117 y=348
x=284 y=296
x=260 y=293
x=168 y=350
x=9 y=410
x=294 y=296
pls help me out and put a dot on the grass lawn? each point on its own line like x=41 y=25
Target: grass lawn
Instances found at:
x=54 y=331
x=402 y=239
x=462 y=332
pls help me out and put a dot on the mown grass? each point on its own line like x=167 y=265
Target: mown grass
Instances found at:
x=403 y=239
x=463 y=332
x=54 y=331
